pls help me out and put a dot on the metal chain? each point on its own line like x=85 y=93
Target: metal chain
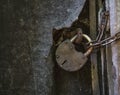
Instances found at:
x=103 y=25
x=106 y=41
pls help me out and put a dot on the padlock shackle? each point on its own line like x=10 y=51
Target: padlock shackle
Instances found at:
x=73 y=38
x=88 y=39
x=91 y=48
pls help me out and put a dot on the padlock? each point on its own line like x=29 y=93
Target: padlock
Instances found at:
x=68 y=57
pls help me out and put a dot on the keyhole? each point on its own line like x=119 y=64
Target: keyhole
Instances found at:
x=64 y=62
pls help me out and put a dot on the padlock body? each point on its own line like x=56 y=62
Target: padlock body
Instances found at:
x=68 y=58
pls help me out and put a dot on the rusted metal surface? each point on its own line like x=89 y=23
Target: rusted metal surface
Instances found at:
x=106 y=41
x=104 y=26
x=68 y=58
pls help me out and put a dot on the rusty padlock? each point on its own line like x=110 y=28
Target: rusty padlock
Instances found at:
x=68 y=58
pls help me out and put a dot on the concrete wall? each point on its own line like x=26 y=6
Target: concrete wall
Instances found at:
x=26 y=65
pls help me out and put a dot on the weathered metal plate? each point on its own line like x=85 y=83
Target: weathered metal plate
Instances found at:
x=68 y=58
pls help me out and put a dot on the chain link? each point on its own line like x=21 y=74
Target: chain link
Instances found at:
x=106 y=41
x=103 y=25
